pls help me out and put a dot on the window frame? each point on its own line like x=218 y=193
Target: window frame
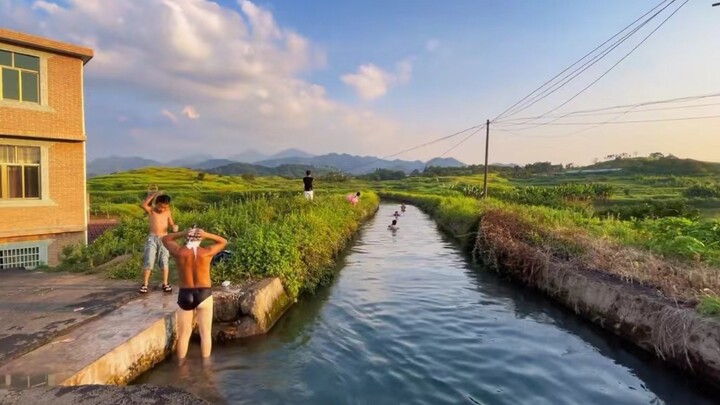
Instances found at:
x=42 y=246
x=44 y=174
x=42 y=86
x=20 y=72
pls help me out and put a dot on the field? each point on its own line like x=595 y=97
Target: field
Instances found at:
x=634 y=220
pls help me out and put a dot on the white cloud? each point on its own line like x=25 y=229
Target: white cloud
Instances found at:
x=431 y=45
x=46 y=6
x=190 y=112
x=167 y=114
x=240 y=67
x=371 y=82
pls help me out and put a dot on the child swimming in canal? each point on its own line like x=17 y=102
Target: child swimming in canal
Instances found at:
x=393 y=226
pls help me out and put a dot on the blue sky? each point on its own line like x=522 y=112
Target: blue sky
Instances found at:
x=179 y=77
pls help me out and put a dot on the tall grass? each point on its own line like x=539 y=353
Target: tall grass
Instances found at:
x=269 y=235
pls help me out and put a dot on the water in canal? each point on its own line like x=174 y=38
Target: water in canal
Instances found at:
x=409 y=320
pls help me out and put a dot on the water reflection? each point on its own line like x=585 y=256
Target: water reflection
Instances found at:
x=410 y=320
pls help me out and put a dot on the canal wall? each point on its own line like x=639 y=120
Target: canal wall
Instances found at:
x=668 y=328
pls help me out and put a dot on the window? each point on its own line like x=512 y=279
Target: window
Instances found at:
x=19 y=172
x=22 y=255
x=20 y=78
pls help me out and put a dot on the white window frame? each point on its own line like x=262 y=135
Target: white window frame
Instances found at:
x=45 y=180
x=42 y=246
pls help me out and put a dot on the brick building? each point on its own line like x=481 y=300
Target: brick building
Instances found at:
x=43 y=199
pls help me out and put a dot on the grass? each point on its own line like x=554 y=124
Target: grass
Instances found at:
x=643 y=228
x=270 y=236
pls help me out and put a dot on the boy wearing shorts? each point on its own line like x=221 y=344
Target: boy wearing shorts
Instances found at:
x=160 y=218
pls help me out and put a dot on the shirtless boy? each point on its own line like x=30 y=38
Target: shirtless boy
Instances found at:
x=193 y=265
x=160 y=218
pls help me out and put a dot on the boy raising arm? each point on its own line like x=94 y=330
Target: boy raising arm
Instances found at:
x=159 y=219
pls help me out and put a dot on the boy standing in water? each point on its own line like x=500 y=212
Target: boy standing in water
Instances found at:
x=195 y=295
x=160 y=218
x=308 y=182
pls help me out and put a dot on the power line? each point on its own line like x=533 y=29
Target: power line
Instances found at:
x=629 y=122
x=587 y=65
x=618 y=62
x=461 y=142
x=576 y=62
x=433 y=141
x=604 y=110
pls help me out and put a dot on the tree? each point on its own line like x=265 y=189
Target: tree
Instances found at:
x=656 y=155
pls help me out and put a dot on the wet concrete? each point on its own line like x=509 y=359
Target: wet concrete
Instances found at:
x=35 y=307
x=100 y=395
x=112 y=349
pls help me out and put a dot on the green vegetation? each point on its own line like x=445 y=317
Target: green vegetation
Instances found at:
x=270 y=235
x=651 y=225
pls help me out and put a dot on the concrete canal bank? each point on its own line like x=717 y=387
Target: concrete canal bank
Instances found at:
x=127 y=338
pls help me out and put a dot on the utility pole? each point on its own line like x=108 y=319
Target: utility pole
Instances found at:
x=487 y=148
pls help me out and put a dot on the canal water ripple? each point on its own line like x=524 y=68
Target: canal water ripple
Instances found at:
x=410 y=320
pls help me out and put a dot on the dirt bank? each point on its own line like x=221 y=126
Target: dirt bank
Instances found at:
x=638 y=312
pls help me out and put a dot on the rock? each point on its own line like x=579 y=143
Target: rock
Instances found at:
x=265 y=302
x=100 y=395
x=226 y=304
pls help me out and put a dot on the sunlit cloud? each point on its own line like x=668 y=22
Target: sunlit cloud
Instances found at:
x=371 y=82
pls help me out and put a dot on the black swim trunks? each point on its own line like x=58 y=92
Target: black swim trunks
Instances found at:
x=190 y=298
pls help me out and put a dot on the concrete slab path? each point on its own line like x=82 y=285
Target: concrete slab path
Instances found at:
x=35 y=306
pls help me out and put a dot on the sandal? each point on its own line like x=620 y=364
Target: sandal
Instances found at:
x=166 y=288
x=143 y=289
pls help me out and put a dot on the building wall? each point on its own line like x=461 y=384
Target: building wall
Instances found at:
x=56 y=124
x=60 y=113
x=64 y=209
x=54 y=243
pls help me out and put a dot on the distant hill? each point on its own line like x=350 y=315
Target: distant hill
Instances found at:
x=347 y=163
x=293 y=171
x=249 y=156
x=292 y=160
x=211 y=164
x=114 y=164
x=444 y=162
x=188 y=161
x=292 y=152
x=664 y=165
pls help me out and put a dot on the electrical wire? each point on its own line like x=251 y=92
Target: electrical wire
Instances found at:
x=616 y=63
x=502 y=114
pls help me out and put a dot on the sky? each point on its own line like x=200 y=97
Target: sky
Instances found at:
x=173 y=78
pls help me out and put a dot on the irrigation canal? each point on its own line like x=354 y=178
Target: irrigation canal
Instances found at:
x=409 y=319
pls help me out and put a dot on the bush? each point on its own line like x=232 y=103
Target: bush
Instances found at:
x=270 y=235
x=652 y=210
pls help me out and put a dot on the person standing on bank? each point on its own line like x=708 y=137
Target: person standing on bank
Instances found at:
x=195 y=294
x=308 y=182
x=160 y=219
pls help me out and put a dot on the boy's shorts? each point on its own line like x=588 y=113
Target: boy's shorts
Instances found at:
x=309 y=195
x=153 y=247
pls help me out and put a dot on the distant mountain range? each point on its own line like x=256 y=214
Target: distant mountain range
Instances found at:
x=254 y=162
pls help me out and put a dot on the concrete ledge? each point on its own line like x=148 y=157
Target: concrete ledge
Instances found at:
x=100 y=395
x=255 y=310
x=111 y=350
